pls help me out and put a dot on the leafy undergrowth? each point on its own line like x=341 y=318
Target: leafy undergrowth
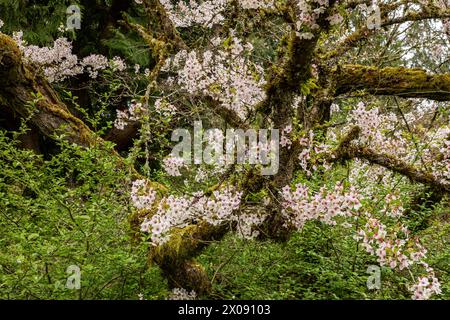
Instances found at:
x=73 y=210
x=318 y=263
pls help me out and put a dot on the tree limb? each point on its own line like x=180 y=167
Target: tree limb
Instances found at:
x=397 y=81
x=347 y=151
x=51 y=116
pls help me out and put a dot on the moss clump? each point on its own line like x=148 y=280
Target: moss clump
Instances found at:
x=186 y=242
x=8 y=47
x=10 y=58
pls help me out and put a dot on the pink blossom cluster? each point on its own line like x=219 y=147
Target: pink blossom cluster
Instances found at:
x=137 y=70
x=436 y=153
x=142 y=195
x=205 y=13
x=172 y=165
x=446 y=25
x=307 y=13
x=420 y=111
x=446 y=161
x=383 y=133
x=246 y=223
x=224 y=73
x=334 y=108
x=259 y=152
x=285 y=141
x=182 y=294
x=395 y=250
x=178 y=212
x=372 y=122
x=398 y=250
x=257 y=4
x=390 y=250
x=173 y=212
x=117 y=64
x=213 y=155
x=426 y=286
x=392 y=206
x=299 y=206
x=305 y=155
x=165 y=108
x=373 y=125
x=94 y=63
x=58 y=62
x=134 y=113
x=335 y=19
x=431 y=149
x=311 y=148
x=370 y=180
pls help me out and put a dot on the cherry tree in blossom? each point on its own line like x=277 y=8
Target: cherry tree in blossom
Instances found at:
x=342 y=92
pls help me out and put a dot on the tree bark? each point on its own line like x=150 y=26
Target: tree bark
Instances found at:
x=396 y=81
x=29 y=95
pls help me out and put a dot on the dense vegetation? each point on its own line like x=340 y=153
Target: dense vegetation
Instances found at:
x=87 y=179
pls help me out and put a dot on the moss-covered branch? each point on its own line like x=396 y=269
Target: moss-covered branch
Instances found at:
x=398 y=81
x=398 y=166
x=348 y=151
x=20 y=86
x=176 y=256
